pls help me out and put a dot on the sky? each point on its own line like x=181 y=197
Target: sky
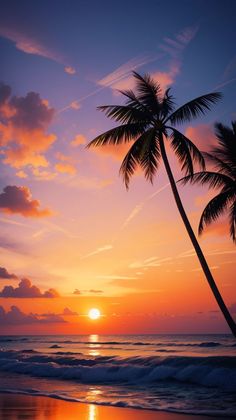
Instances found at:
x=72 y=238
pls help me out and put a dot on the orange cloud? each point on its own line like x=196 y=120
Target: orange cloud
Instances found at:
x=202 y=135
x=65 y=168
x=29 y=45
x=43 y=175
x=18 y=200
x=21 y=174
x=78 y=140
x=70 y=70
x=165 y=79
x=23 y=128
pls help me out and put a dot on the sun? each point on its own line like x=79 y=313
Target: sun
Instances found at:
x=94 y=313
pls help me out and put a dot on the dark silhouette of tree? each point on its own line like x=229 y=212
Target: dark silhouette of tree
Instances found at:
x=223 y=158
x=148 y=118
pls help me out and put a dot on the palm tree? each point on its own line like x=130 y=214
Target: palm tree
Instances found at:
x=148 y=120
x=223 y=158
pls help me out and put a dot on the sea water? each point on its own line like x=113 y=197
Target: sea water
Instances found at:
x=179 y=373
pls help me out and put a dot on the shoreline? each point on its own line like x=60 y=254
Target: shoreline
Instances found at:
x=37 y=407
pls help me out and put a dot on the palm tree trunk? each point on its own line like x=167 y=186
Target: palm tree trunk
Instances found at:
x=202 y=260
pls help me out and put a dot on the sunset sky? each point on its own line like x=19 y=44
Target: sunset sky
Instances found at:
x=72 y=237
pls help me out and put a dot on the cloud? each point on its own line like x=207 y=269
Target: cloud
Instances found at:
x=77 y=292
x=15 y=316
x=66 y=168
x=98 y=251
x=24 y=122
x=121 y=72
x=150 y=262
x=18 y=200
x=124 y=70
x=138 y=208
x=165 y=79
x=78 y=140
x=21 y=174
x=91 y=291
x=4 y=274
x=28 y=44
x=68 y=312
x=176 y=45
x=43 y=175
x=26 y=290
x=95 y=291
x=202 y=135
x=70 y=70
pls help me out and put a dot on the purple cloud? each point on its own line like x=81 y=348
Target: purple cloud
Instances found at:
x=26 y=290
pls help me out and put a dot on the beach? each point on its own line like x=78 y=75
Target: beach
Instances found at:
x=26 y=407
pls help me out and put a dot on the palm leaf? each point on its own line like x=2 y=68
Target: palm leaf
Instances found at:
x=216 y=207
x=148 y=92
x=121 y=134
x=135 y=103
x=220 y=165
x=134 y=156
x=232 y=220
x=186 y=151
x=150 y=155
x=194 y=108
x=124 y=113
x=167 y=105
x=214 y=179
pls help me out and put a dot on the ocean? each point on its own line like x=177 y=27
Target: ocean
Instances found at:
x=176 y=373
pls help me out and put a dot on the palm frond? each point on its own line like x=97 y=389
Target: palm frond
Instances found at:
x=167 y=104
x=186 y=151
x=226 y=150
x=133 y=101
x=121 y=134
x=135 y=156
x=124 y=113
x=213 y=179
x=219 y=164
x=232 y=221
x=216 y=207
x=148 y=92
x=194 y=108
x=150 y=155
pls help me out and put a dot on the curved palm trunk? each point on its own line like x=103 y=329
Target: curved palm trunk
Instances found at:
x=202 y=260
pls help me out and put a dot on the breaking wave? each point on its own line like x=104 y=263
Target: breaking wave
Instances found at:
x=218 y=371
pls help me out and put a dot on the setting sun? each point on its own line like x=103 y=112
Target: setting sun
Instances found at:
x=94 y=313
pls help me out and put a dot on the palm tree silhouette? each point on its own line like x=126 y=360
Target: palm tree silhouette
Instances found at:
x=223 y=158
x=148 y=119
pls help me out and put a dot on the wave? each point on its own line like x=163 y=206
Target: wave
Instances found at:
x=212 y=371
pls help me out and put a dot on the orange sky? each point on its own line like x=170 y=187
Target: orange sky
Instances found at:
x=67 y=223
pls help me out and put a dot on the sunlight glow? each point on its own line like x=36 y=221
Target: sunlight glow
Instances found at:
x=94 y=313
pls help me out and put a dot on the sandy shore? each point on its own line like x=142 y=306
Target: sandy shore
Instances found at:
x=25 y=407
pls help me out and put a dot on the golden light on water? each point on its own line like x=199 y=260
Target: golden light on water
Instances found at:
x=94 y=313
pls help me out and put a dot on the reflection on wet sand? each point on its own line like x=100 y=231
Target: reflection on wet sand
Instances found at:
x=25 y=407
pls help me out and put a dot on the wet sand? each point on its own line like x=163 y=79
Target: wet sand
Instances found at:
x=26 y=407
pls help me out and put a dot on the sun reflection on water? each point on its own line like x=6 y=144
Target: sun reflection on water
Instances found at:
x=94 y=345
